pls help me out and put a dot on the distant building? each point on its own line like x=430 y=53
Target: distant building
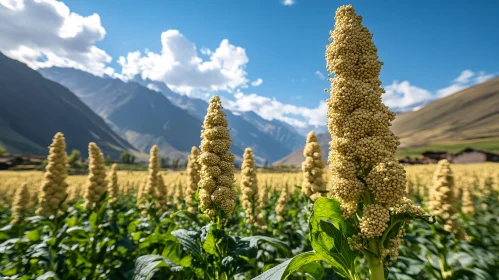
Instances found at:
x=470 y=155
x=9 y=162
x=435 y=156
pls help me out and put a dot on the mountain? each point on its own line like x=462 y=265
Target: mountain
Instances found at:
x=470 y=114
x=270 y=140
x=33 y=109
x=142 y=116
x=296 y=157
x=276 y=129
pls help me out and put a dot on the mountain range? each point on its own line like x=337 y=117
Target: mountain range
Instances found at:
x=145 y=115
x=33 y=109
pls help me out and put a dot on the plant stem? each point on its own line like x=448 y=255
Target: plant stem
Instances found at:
x=375 y=263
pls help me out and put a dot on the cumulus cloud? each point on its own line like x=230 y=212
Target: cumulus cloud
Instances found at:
x=288 y=2
x=403 y=94
x=257 y=82
x=269 y=109
x=179 y=66
x=466 y=79
x=319 y=74
x=46 y=33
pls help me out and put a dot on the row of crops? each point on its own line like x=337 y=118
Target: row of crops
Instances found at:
x=366 y=217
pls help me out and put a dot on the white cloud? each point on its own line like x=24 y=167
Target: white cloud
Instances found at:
x=270 y=108
x=464 y=77
x=453 y=88
x=46 y=33
x=482 y=77
x=288 y=2
x=206 y=51
x=179 y=66
x=403 y=94
x=154 y=87
x=319 y=74
x=257 y=82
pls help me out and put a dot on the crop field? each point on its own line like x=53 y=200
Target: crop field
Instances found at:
x=359 y=214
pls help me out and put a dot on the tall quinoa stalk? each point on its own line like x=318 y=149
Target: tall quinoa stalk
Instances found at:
x=54 y=187
x=192 y=180
x=249 y=186
x=151 y=186
x=362 y=161
x=96 y=182
x=20 y=204
x=113 y=188
x=313 y=184
x=217 y=195
x=442 y=199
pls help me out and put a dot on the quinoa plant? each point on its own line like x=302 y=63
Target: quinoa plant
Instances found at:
x=249 y=186
x=367 y=211
x=313 y=184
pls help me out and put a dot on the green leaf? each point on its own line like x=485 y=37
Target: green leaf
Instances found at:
x=327 y=232
x=33 y=235
x=285 y=269
x=341 y=251
x=209 y=244
x=328 y=209
x=47 y=275
x=278 y=244
x=145 y=266
x=189 y=239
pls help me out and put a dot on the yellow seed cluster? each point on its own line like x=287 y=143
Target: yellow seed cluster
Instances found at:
x=358 y=120
x=193 y=168
x=313 y=184
x=281 y=206
x=249 y=186
x=20 y=204
x=152 y=181
x=113 y=188
x=468 y=203
x=217 y=164
x=54 y=187
x=96 y=182
x=387 y=182
x=442 y=200
x=162 y=194
x=374 y=220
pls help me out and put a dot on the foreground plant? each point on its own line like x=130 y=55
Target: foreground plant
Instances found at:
x=210 y=251
x=368 y=209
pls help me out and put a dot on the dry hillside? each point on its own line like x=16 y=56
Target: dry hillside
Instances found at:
x=469 y=114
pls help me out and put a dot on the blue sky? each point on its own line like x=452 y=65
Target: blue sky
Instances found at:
x=425 y=45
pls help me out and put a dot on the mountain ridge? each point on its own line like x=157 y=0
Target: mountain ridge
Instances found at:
x=29 y=102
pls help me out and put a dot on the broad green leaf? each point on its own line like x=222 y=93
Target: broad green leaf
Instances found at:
x=323 y=238
x=189 y=240
x=285 y=269
x=148 y=264
x=254 y=240
x=33 y=235
x=341 y=251
x=328 y=209
x=209 y=244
